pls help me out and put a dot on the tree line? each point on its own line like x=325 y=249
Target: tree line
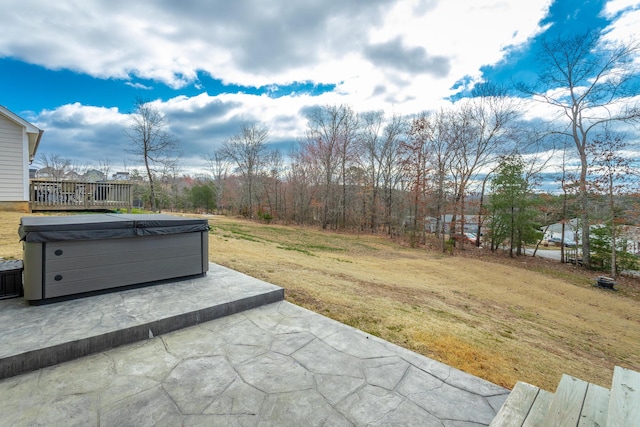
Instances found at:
x=431 y=173
x=369 y=171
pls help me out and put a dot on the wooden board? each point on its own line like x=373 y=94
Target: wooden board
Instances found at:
x=539 y=410
x=567 y=402
x=624 y=403
x=594 y=410
x=515 y=409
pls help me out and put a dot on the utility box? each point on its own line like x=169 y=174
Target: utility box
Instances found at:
x=10 y=279
x=78 y=254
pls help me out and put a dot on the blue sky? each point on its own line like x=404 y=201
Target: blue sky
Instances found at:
x=75 y=69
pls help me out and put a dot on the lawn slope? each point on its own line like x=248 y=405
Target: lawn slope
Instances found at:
x=503 y=321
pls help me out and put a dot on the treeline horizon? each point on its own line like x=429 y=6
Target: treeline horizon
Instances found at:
x=372 y=172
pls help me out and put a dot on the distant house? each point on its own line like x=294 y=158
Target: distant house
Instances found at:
x=470 y=223
x=121 y=176
x=72 y=176
x=553 y=232
x=48 y=172
x=93 y=175
x=19 y=142
x=631 y=234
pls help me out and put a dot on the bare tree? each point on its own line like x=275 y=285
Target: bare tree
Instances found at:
x=590 y=82
x=612 y=172
x=170 y=190
x=219 y=168
x=272 y=180
x=56 y=165
x=440 y=152
x=415 y=155
x=104 y=166
x=537 y=151
x=78 y=170
x=303 y=180
x=347 y=153
x=479 y=132
x=378 y=156
x=328 y=141
x=246 y=150
x=369 y=157
x=151 y=142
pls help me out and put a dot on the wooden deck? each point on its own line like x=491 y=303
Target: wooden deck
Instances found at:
x=49 y=195
x=575 y=403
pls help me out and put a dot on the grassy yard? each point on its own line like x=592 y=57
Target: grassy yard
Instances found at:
x=500 y=319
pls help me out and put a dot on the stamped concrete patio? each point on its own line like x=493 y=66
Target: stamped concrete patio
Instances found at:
x=223 y=349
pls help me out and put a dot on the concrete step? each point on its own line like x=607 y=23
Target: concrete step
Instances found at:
x=34 y=337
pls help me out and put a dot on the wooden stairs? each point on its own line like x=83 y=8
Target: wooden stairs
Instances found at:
x=575 y=403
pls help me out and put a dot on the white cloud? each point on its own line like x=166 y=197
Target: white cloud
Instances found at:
x=83 y=134
x=424 y=45
x=613 y=7
x=402 y=56
x=625 y=16
x=138 y=86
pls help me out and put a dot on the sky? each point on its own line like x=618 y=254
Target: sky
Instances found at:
x=75 y=68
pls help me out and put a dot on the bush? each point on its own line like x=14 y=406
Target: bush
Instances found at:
x=601 y=251
x=265 y=216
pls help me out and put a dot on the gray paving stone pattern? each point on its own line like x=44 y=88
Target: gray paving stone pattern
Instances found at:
x=254 y=363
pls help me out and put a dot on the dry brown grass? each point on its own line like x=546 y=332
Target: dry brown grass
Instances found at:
x=505 y=321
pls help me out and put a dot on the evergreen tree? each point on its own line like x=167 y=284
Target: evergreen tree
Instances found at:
x=513 y=213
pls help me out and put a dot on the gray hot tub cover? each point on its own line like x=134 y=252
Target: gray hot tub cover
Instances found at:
x=105 y=226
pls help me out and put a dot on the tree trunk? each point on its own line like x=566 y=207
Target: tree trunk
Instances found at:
x=512 y=236
x=562 y=254
x=584 y=213
x=614 y=271
x=564 y=218
x=151 y=184
x=479 y=229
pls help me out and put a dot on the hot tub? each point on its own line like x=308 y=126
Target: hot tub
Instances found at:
x=66 y=256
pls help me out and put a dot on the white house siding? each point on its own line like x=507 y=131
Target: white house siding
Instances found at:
x=13 y=148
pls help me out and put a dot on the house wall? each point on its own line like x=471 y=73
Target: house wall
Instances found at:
x=14 y=173
x=15 y=207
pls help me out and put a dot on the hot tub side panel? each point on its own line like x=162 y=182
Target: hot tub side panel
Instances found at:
x=33 y=264
x=204 y=239
x=72 y=267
